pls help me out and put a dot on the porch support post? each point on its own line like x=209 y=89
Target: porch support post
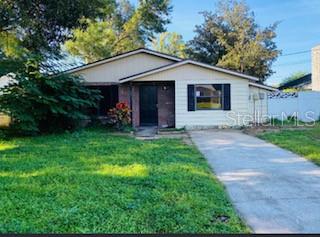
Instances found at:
x=130 y=99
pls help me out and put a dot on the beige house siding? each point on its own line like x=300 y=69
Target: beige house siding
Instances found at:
x=4 y=119
x=4 y=80
x=111 y=72
x=258 y=104
x=191 y=74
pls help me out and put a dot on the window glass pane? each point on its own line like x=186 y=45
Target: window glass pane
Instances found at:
x=208 y=90
x=209 y=103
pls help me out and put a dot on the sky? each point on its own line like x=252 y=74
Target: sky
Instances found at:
x=299 y=28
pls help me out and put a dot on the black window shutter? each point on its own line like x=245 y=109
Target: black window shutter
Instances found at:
x=226 y=97
x=191 y=98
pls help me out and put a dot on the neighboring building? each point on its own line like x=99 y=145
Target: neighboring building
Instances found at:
x=310 y=81
x=316 y=68
x=4 y=120
x=4 y=81
x=299 y=84
x=167 y=91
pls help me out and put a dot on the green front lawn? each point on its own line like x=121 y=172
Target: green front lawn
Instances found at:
x=303 y=142
x=95 y=182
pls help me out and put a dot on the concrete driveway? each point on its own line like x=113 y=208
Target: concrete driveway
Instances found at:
x=274 y=190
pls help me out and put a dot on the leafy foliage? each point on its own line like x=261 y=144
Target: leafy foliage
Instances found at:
x=205 y=46
x=120 y=115
x=40 y=103
x=94 y=182
x=154 y=17
x=232 y=39
x=10 y=45
x=125 y=29
x=42 y=25
x=101 y=33
x=170 y=43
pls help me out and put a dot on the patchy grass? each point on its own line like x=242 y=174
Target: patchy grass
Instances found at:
x=95 y=182
x=303 y=142
x=290 y=122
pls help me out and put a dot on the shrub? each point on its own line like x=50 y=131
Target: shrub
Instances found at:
x=120 y=115
x=40 y=103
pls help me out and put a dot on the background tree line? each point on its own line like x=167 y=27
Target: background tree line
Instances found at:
x=91 y=30
x=229 y=37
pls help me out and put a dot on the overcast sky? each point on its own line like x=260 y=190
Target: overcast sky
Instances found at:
x=299 y=29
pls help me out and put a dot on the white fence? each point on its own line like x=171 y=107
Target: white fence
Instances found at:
x=303 y=105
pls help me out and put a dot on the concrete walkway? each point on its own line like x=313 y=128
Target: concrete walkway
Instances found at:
x=274 y=190
x=147 y=132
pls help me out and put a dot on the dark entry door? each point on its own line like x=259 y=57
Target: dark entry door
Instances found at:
x=148 y=105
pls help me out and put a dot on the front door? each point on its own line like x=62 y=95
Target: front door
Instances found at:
x=148 y=105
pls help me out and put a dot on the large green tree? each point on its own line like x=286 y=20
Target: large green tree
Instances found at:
x=205 y=46
x=127 y=28
x=231 y=38
x=41 y=25
x=170 y=43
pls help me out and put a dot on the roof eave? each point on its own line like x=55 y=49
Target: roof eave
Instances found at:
x=270 y=88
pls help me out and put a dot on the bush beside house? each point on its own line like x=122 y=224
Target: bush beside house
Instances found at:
x=40 y=103
x=120 y=116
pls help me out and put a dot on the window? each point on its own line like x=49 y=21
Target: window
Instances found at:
x=109 y=99
x=208 y=97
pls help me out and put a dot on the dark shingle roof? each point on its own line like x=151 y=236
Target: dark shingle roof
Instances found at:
x=296 y=83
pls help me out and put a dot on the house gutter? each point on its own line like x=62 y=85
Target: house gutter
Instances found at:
x=269 y=88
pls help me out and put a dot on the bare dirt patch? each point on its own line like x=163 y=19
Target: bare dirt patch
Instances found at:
x=256 y=130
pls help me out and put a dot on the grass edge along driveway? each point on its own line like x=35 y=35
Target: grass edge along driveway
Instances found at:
x=95 y=182
x=304 y=142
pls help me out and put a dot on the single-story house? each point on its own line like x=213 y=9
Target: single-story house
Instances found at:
x=4 y=80
x=167 y=91
x=4 y=119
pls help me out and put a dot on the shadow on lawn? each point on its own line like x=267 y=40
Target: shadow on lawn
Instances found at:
x=85 y=155
x=92 y=182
